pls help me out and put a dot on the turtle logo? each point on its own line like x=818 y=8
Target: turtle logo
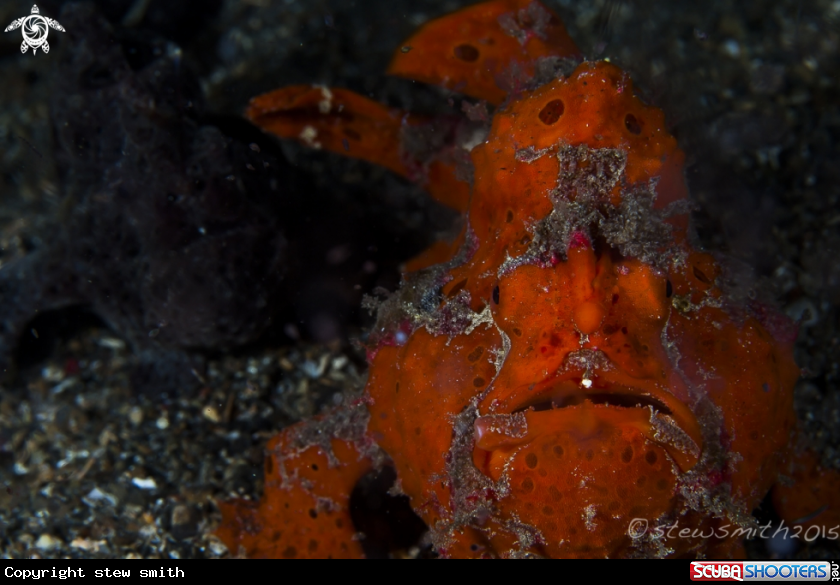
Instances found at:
x=35 y=28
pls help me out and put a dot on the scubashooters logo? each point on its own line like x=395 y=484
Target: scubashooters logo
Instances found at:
x=35 y=29
x=762 y=571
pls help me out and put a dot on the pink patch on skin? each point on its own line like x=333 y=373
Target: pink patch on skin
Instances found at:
x=579 y=240
x=780 y=326
x=397 y=338
x=715 y=478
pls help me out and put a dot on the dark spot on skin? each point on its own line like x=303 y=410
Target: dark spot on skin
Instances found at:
x=478 y=382
x=551 y=112
x=558 y=451
x=398 y=388
x=314 y=467
x=496 y=295
x=527 y=485
x=669 y=289
x=554 y=493
x=615 y=299
x=457 y=287
x=313 y=545
x=662 y=485
x=651 y=457
x=627 y=454
x=701 y=276
x=509 y=217
x=589 y=455
x=531 y=460
x=632 y=124
x=517 y=331
x=475 y=354
x=466 y=53
x=708 y=343
x=290 y=553
x=312 y=513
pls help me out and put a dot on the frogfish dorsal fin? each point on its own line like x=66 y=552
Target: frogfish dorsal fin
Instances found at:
x=473 y=49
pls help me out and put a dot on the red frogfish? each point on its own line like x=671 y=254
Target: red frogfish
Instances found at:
x=565 y=379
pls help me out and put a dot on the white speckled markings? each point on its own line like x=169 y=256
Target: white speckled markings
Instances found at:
x=35 y=29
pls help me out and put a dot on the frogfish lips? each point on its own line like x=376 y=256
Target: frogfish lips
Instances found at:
x=584 y=414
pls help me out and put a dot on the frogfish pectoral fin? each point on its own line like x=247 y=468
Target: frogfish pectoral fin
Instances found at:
x=337 y=120
x=344 y=122
x=305 y=509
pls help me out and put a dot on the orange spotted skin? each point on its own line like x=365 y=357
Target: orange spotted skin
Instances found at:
x=470 y=52
x=569 y=364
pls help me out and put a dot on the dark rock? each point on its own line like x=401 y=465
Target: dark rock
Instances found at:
x=159 y=232
x=184 y=524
